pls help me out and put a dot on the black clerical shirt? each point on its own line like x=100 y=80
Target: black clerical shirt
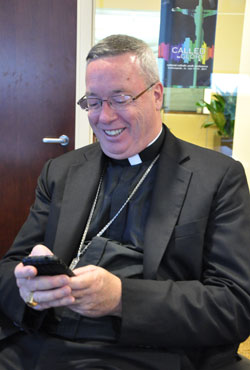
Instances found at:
x=119 y=180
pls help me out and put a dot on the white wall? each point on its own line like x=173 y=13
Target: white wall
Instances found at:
x=85 y=22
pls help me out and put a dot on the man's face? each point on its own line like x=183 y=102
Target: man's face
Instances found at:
x=123 y=133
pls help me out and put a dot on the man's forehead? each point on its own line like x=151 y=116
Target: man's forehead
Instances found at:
x=95 y=92
x=114 y=65
x=113 y=73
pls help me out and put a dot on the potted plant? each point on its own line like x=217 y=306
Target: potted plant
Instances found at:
x=222 y=115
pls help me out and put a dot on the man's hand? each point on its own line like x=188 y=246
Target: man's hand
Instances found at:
x=48 y=291
x=97 y=292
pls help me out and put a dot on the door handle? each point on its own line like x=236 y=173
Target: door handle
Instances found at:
x=63 y=140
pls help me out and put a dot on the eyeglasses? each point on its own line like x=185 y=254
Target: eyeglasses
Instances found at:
x=116 y=102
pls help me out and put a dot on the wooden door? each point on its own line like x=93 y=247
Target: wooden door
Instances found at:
x=37 y=98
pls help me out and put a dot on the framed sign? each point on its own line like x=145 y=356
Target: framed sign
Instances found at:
x=186 y=42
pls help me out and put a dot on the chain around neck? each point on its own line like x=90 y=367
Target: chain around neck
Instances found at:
x=83 y=248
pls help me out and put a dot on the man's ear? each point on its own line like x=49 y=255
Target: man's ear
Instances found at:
x=158 y=95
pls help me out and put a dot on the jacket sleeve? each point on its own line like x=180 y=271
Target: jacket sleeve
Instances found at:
x=214 y=309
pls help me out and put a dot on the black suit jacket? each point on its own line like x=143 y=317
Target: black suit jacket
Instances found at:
x=195 y=295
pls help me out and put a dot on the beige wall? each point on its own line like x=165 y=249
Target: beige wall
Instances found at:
x=229 y=28
x=187 y=126
x=241 y=149
x=129 y=4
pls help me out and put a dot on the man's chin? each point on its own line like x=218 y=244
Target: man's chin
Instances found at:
x=117 y=154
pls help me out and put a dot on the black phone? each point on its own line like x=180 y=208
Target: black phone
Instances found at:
x=48 y=265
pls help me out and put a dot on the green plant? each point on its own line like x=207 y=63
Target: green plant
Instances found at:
x=222 y=113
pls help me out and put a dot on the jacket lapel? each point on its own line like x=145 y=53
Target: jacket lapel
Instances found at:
x=80 y=189
x=170 y=189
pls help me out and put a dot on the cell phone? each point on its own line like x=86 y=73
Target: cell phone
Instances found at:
x=48 y=265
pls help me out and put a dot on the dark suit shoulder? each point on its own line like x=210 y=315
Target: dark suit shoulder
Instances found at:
x=74 y=157
x=78 y=155
x=212 y=163
x=195 y=157
x=55 y=171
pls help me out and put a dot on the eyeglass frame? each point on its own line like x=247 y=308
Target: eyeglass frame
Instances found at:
x=133 y=98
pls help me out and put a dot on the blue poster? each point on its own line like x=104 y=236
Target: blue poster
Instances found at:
x=186 y=42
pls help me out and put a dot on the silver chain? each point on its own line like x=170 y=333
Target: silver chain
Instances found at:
x=83 y=248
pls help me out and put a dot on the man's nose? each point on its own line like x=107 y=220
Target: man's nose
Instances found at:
x=107 y=113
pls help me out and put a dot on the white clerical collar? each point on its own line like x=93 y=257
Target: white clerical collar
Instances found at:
x=136 y=159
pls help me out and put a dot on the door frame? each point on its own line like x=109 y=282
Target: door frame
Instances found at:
x=85 y=40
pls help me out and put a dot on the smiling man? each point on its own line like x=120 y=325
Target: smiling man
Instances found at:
x=156 y=231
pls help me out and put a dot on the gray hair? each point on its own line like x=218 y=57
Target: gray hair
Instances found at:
x=121 y=44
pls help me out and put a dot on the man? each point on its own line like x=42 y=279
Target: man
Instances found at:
x=155 y=229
